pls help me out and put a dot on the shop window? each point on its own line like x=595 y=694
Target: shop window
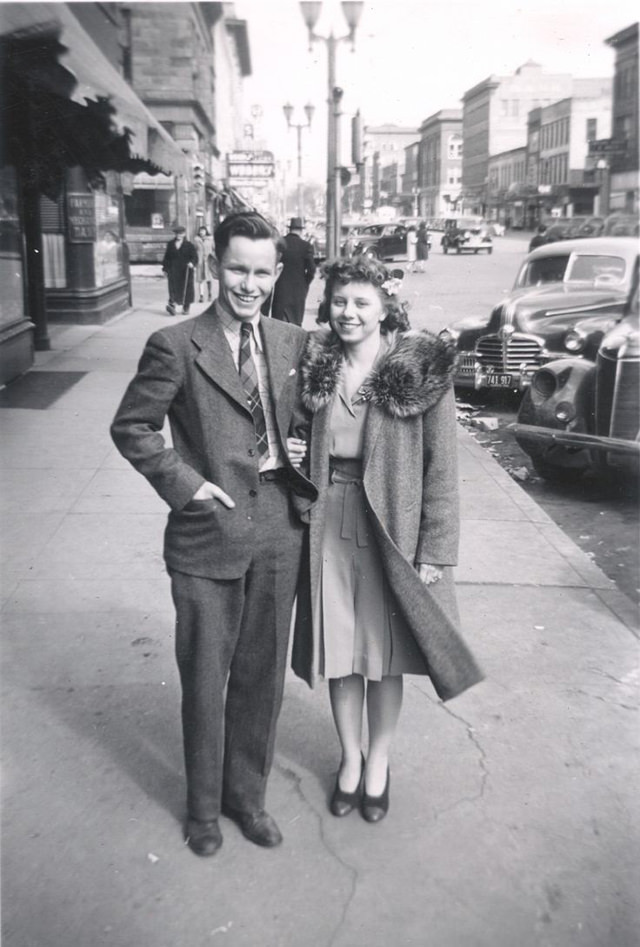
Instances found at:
x=107 y=248
x=53 y=242
x=11 y=273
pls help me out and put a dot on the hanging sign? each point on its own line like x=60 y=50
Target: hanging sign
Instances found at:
x=81 y=218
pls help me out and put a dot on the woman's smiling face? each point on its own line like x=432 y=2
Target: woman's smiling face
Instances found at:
x=356 y=311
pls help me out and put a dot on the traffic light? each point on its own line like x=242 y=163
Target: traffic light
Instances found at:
x=198 y=174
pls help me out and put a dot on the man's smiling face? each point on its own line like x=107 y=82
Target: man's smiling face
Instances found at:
x=246 y=275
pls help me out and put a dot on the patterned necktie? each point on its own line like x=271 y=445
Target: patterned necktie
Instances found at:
x=249 y=379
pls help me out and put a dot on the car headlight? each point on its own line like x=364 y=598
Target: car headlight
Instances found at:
x=544 y=383
x=574 y=341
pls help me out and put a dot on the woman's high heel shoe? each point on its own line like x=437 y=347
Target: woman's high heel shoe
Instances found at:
x=375 y=808
x=342 y=803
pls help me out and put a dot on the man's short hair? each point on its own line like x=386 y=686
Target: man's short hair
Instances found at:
x=245 y=224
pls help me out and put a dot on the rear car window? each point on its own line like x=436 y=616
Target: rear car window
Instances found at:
x=592 y=267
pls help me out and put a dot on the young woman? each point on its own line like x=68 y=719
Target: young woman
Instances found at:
x=204 y=246
x=376 y=598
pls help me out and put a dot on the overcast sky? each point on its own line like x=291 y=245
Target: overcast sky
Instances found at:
x=413 y=57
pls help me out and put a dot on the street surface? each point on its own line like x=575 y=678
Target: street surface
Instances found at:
x=600 y=516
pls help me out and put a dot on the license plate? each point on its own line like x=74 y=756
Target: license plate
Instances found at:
x=499 y=381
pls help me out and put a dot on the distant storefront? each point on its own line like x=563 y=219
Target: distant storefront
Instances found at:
x=73 y=131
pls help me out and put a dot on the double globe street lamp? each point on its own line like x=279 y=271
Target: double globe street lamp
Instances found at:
x=309 y=109
x=352 y=10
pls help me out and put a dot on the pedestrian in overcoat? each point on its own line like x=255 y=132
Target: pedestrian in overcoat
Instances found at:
x=376 y=597
x=179 y=263
x=228 y=383
x=422 y=246
x=298 y=270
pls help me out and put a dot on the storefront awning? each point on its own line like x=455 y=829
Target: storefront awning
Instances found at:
x=97 y=79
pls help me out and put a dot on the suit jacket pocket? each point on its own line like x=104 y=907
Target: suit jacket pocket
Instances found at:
x=207 y=539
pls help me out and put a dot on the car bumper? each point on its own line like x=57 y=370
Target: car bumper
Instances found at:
x=593 y=442
x=471 y=374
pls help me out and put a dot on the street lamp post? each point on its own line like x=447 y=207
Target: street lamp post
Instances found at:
x=352 y=11
x=309 y=109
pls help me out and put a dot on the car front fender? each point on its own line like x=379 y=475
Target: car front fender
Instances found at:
x=561 y=396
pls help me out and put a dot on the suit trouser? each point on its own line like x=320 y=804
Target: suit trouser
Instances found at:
x=235 y=632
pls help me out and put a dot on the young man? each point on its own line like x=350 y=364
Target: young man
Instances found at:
x=228 y=382
x=179 y=262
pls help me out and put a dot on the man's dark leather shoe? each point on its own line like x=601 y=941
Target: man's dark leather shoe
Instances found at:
x=203 y=838
x=259 y=827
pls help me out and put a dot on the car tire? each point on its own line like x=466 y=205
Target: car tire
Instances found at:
x=458 y=249
x=489 y=250
x=475 y=251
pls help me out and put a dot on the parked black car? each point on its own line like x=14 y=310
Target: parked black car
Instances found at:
x=572 y=228
x=580 y=415
x=621 y=225
x=560 y=287
x=384 y=241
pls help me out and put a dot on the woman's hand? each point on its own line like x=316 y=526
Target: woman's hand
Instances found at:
x=429 y=573
x=296 y=450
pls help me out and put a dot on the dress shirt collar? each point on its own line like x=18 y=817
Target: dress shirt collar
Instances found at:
x=231 y=324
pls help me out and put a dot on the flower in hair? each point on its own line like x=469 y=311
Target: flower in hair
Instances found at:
x=391 y=286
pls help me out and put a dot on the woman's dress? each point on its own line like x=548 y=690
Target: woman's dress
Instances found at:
x=363 y=631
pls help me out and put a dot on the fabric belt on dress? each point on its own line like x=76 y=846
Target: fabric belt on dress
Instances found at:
x=354 y=516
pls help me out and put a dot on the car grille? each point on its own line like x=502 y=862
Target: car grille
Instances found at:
x=625 y=416
x=509 y=354
x=467 y=363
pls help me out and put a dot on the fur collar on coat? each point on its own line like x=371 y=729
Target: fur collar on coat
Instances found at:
x=409 y=377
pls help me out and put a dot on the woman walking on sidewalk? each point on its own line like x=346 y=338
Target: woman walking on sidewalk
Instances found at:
x=204 y=246
x=376 y=599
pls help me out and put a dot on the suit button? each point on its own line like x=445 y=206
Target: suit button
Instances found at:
x=251 y=452
x=253 y=493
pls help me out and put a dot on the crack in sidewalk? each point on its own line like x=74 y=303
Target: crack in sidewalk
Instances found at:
x=296 y=781
x=482 y=756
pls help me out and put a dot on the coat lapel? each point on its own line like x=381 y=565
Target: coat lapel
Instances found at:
x=278 y=356
x=215 y=358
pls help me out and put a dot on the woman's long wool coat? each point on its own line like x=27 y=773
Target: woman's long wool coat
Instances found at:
x=411 y=487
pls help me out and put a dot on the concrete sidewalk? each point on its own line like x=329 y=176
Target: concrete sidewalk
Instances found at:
x=514 y=809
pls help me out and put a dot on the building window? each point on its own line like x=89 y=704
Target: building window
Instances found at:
x=454 y=146
x=515 y=107
x=592 y=129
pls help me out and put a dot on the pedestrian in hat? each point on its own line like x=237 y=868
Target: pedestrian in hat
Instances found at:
x=179 y=263
x=228 y=383
x=298 y=269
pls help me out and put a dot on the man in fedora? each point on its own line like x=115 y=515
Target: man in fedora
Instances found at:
x=298 y=268
x=180 y=260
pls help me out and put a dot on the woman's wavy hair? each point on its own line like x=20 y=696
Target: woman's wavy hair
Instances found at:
x=362 y=269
